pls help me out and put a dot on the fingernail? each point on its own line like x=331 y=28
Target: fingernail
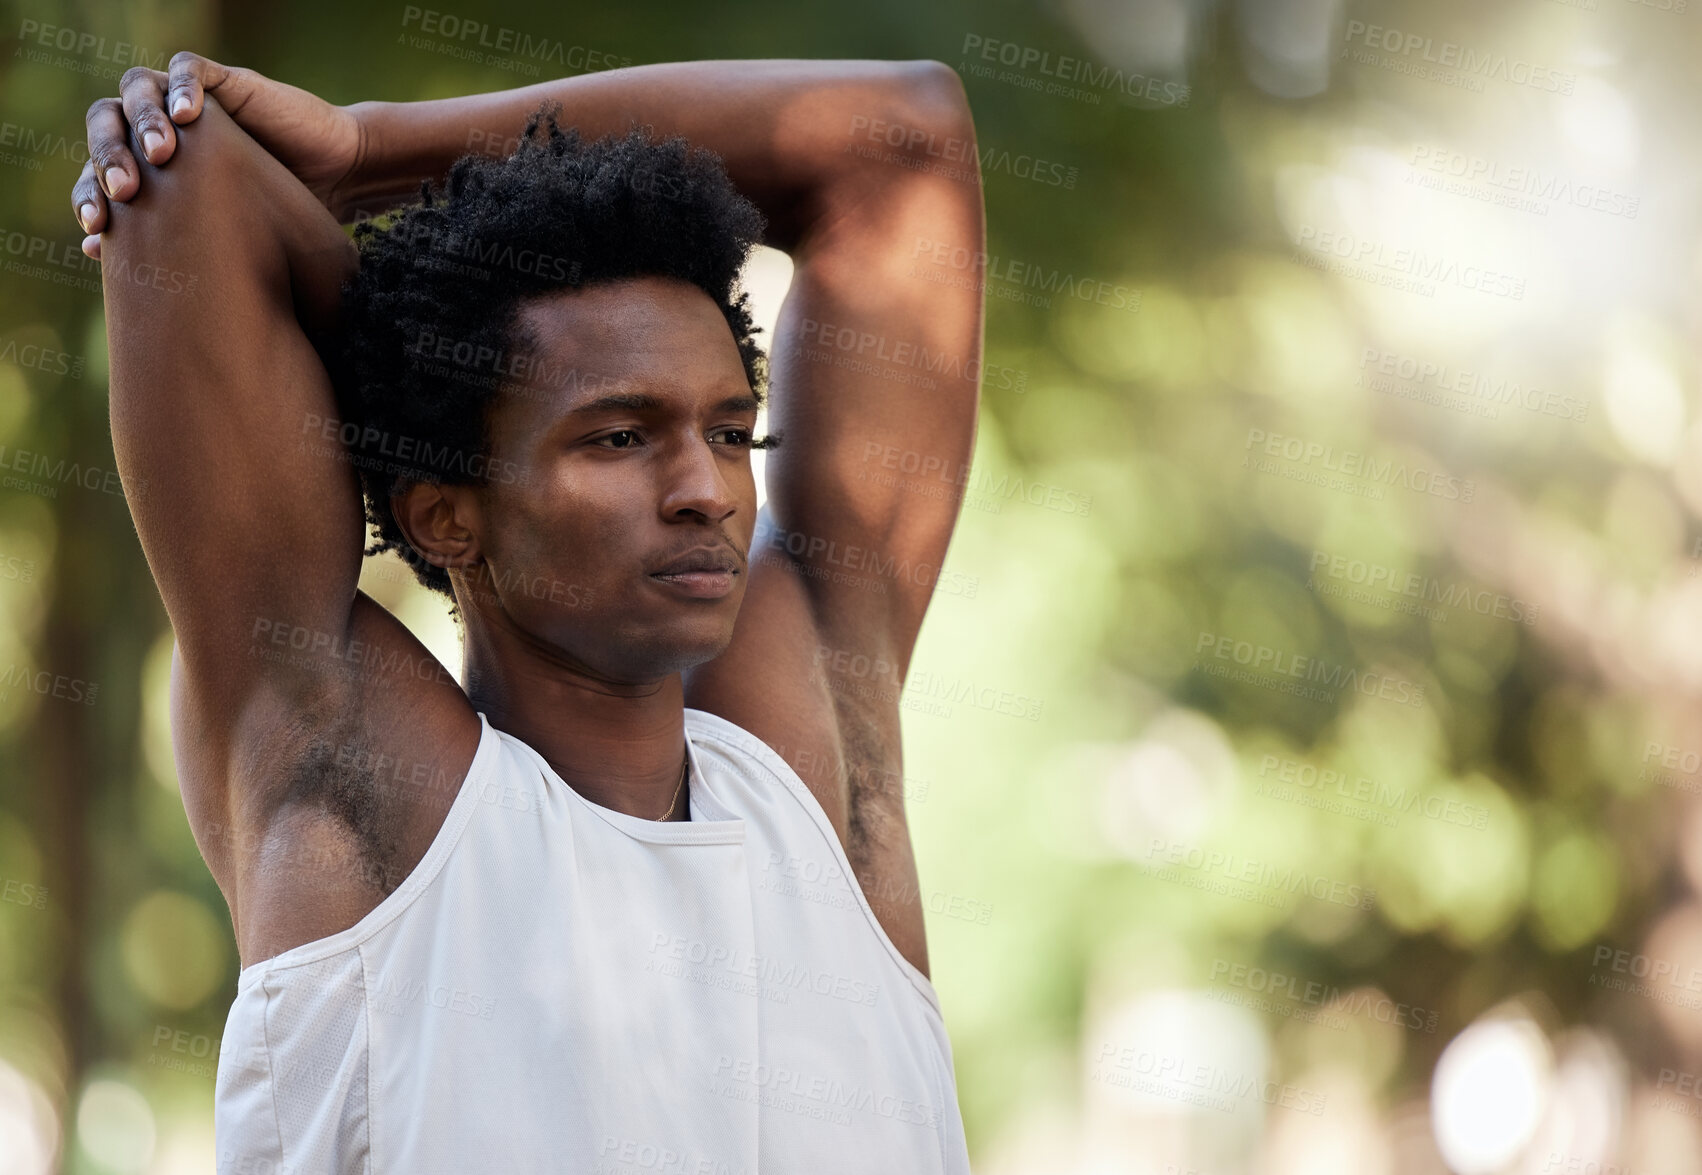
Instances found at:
x=180 y=104
x=150 y=141
x=114 y=177
x=86 y=216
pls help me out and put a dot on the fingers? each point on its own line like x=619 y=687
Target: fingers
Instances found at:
x=146 y=95
x=190 y=75
x=142 y=92
x=88 y=202
x=114 y=168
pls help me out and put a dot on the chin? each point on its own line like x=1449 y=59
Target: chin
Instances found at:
x=657 y=654
x=705 y=648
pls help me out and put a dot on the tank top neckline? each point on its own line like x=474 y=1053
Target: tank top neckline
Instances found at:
x=719 y=825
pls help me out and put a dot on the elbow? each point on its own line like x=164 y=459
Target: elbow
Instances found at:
x=935 y=93
x=942 y=130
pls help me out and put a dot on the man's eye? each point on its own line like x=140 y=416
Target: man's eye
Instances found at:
x=625 y=432
x=742 y=435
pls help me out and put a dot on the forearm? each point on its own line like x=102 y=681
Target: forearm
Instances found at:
x=780 y=126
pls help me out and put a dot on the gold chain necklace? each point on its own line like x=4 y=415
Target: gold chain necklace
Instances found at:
x=684 y=767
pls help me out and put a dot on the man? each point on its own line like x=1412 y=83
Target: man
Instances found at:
x=641 y=897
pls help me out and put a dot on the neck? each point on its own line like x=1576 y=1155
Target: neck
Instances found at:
x=618 y=744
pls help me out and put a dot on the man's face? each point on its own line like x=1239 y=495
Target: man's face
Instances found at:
x=608 y=494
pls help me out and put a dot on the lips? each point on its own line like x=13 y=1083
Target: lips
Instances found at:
x=701 y=559
x=704 y=573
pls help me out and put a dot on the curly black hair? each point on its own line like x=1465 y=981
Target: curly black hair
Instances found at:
x=431 y=332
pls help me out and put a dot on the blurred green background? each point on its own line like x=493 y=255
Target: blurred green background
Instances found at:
x=1350 y=567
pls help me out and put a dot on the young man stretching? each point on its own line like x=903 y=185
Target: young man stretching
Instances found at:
x=641 y=898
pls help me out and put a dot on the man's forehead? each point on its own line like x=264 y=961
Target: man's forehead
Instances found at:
x=639 y=344
x=641 y=315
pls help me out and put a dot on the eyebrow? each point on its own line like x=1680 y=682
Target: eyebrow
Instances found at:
x=643 y=402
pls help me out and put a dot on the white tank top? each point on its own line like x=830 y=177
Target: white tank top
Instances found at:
x=560 y=987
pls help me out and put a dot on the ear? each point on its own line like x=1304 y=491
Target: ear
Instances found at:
x=441 y=523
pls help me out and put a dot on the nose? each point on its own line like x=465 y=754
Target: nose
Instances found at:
x=698 y=484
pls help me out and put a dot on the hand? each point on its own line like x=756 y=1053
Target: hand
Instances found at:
x=320 y=143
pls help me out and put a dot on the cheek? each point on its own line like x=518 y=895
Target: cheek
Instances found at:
x=566 y=535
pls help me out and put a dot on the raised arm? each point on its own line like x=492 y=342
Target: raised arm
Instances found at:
x=248 y=513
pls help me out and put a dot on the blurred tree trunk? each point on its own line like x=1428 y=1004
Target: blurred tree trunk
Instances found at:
x=103 y=615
